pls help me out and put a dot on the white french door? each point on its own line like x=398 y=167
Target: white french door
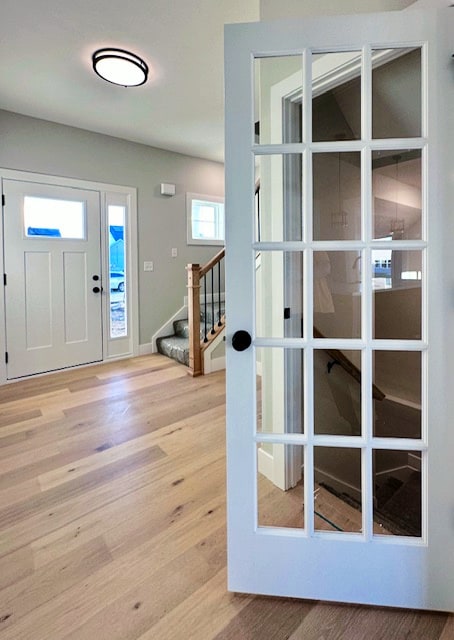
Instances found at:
x=340 y=449
x=53 y=292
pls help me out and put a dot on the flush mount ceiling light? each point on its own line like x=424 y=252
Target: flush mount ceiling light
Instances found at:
x=120 y=67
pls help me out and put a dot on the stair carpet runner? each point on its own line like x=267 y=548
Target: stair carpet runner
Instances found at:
x=176 y=346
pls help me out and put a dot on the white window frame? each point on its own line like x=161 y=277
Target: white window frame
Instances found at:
x=121 y=346
x=215 y=200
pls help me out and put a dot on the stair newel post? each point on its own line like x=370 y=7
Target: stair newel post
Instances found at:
x=195 y=355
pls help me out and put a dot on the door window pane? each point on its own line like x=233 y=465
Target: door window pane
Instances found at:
x=396 y=93
x=398 y=376
x=280 y=390
x=397 y=491
x=337 y=294
x=277 y=507
x=397 y=280
x=337 y=196
x=279 y=294
x=279 y=211
x=278 y=86
x=54 y=218
x=337 y=392
x=117 y=272
x=337 y=495
x=397 y=194
x=336 y=96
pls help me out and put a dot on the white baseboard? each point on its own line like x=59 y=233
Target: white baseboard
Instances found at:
x=405 y=403
x=337 y=484
x=414 y=461
x=396 y=471
x=265 y=464
x=145 y=349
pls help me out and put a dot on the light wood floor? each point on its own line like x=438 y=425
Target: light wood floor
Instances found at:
x=112 y=518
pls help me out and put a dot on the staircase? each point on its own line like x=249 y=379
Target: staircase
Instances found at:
x=399 y=504
x=176 y=346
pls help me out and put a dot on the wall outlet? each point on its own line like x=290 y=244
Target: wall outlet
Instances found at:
x=148 y=265
x=174 y=252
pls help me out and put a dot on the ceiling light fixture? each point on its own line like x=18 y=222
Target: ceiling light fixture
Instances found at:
x=120 y=67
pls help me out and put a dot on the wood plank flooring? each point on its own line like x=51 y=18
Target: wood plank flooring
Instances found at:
x=112 y=518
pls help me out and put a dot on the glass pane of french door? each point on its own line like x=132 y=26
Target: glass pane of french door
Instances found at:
x=354 y=280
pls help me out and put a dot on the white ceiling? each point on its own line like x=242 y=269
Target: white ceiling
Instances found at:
x=45 y=67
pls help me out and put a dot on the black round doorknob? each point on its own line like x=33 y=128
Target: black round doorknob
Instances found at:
x=241 y=340
x=95 y=278
x=96 y=289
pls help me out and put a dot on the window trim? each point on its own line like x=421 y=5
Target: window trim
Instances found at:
x=190 y=197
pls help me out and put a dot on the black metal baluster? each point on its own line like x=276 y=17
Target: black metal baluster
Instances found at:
x=212 y=302
x=219 y=293
x=205 y=339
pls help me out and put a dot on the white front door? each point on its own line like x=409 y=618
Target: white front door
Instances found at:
x=52 y=277
x=339 y=414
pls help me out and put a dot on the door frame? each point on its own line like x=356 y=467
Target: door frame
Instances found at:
x=112 y=348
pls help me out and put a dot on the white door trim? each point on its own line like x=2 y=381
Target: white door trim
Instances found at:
x=299 y=563
x=129 y=195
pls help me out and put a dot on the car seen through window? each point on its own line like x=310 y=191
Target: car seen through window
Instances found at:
x=117 y=281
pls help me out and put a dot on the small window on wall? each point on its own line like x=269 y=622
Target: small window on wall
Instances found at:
x=205 y=219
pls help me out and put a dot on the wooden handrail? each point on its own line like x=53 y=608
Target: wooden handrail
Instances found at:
x=348 y=366
x=195 y=273
x=212 y=263
x=196 y=347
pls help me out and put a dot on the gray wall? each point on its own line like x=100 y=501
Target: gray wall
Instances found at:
x=29 y=144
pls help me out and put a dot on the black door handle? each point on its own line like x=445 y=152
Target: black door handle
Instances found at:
x=95 y=278
x=241 y=340
x=97 y=289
